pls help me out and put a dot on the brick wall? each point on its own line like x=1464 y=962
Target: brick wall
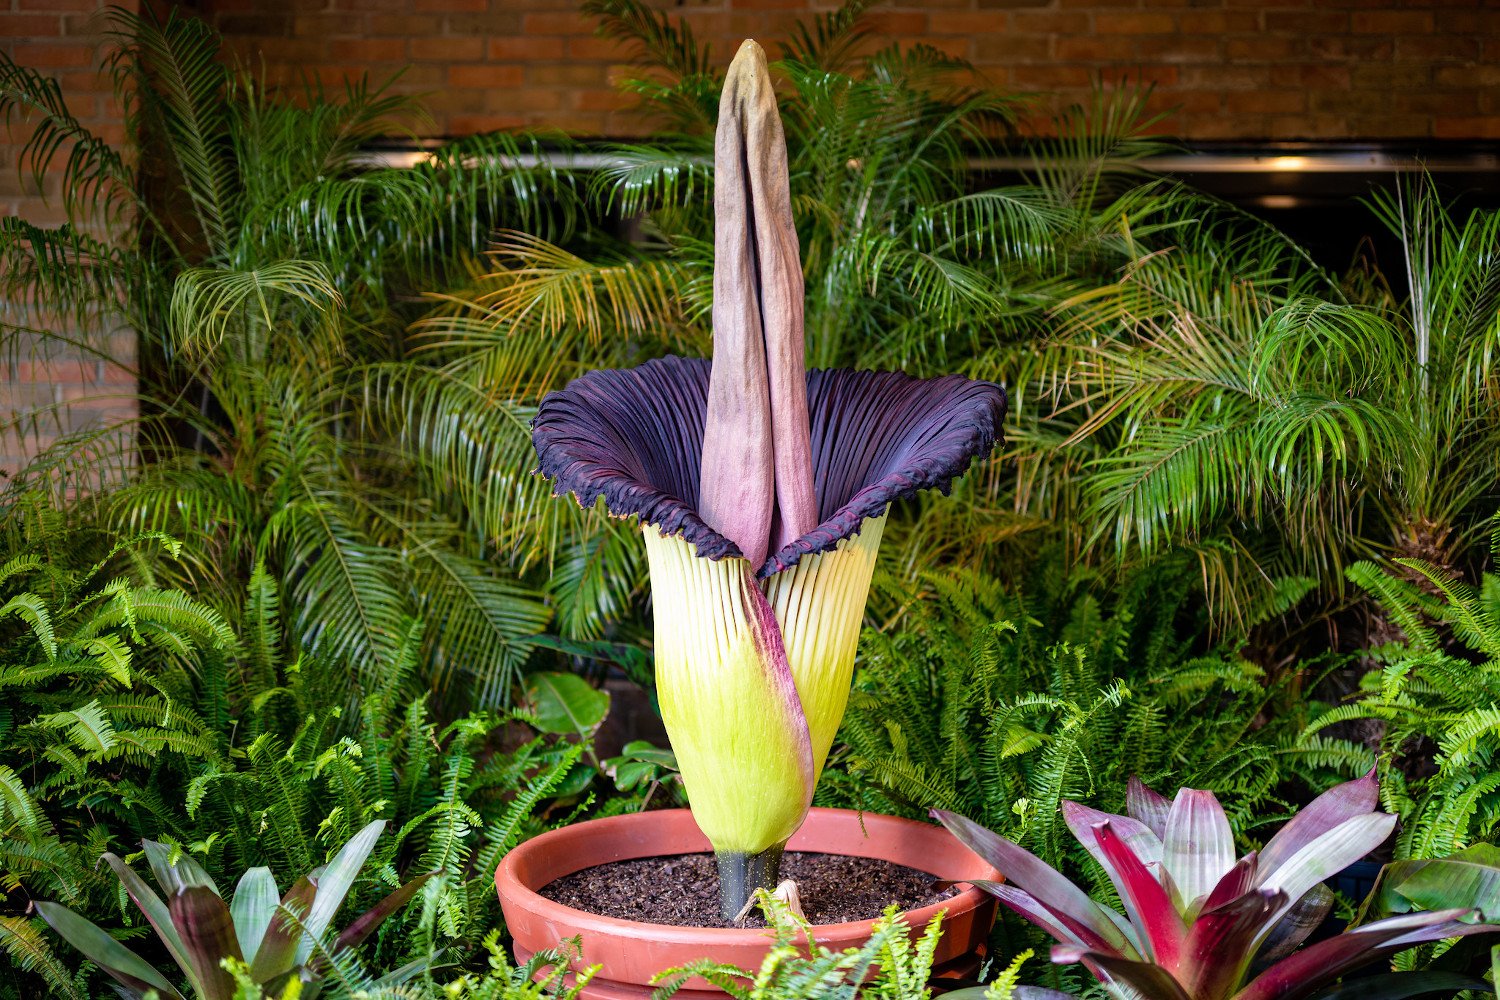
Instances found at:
x=1235 y=69
x=62 y=38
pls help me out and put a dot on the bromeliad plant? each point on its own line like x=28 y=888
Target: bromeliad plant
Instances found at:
x=278 y=940
x=1198 y=924
x=762 y=489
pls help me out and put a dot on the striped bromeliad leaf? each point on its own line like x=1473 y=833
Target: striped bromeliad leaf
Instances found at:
x=1200 y=924
x=278 y=937
x=762 y=491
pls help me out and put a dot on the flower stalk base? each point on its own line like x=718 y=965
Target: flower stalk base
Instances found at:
x=741 y=874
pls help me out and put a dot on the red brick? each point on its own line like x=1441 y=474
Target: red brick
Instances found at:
x=1439 y=48
x=1163 y=76
x=1435 y=102
x=1321 y=76
x=943 y=22
x=1135 y=23
x=1391 y=22
x=1091 y=49
x=58 y=6
x=1487 y=127
x=1218 y=22
x=1377 y=78
x=1051 y=76
x=897 y=24
x=566 y=74
x=13 y=26
x=525 y=99
x=1468 y=22
x=557 y=24
x=1178 y=48
x=486 y=76
x=43 y=56
x=1050 y=22
x=604 y=49
x=1383 y=124
x=526 y=48
x=958 y=48
x=1467 y=76
x=410 y=25
x=602 y=100
x=453 y=5
x=1265 y=48
x=368 y=49
x=1266 y=101
x=449 y=49
x=1189 y=102
x=1308 y=126
x=1319 y=22
x=1345 y=47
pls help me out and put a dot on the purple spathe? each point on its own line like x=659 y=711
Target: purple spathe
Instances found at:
x=635 y=436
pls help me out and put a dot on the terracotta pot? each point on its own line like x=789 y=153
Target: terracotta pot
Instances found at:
x=630 y=953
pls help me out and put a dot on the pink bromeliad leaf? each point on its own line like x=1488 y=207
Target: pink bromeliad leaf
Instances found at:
x=1146 y=902
x=1334 y=807
x=1321 y=963
x=1198 y=847
x=1148 y=980
x=1138 y=837
x=1328 y=855
x=1222 y=943
x=1067 y=903
x=1147 y=806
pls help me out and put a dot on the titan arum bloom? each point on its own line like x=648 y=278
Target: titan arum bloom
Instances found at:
x=762 y=490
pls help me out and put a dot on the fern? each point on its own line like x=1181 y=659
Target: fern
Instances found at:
x=1435 y=697
x=999 y=706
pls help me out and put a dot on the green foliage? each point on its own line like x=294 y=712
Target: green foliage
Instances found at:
x=998 y=705
x=280 y=938
x=270 y=274
x=1434 y=696
x=133 y=711
x=898 y=965
x=1247 y=402
x=542 y=977
x=909 y=262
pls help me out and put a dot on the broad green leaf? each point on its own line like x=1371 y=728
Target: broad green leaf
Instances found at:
x=372 y=918
x=1468 y=878
x=174 y=869
x=114 y=958
x=253 y=906
x=276 y=955
x=156 y=913
x=565 y=703
x=333 y=884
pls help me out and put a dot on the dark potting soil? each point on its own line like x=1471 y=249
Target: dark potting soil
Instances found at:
x=683 y=889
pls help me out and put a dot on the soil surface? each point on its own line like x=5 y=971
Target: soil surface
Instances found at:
x=683 y=889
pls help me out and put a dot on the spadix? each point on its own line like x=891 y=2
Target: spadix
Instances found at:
x=762 y=490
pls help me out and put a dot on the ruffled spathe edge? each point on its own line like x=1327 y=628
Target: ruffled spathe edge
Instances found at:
x=635 y=437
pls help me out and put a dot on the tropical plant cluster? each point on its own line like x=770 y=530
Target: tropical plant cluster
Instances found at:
x=307 y=644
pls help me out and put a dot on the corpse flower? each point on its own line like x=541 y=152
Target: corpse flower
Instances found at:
x=1201 y=925
x=762 y=491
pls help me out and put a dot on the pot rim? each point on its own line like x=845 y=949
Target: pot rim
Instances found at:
x=510 y=886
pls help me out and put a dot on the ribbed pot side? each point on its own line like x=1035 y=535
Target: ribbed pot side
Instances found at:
x=630 y=953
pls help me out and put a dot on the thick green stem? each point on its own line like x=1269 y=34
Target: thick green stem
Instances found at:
x=741 y=874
